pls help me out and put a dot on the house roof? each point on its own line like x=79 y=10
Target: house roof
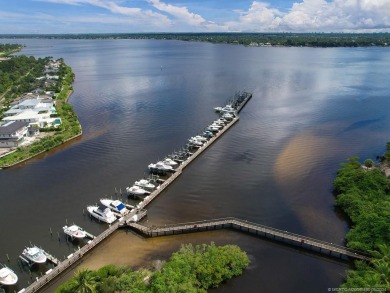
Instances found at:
x=13 y=111
x=29 y=103
x=11 y=127
x=27 y=114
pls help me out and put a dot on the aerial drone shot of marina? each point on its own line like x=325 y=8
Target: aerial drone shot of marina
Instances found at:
x=117 y=212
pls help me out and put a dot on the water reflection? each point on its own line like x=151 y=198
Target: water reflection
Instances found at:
x=275 y=166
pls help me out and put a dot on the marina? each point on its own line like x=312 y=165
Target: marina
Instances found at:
x=131 y=219
x=275 y=167
x=105 y=214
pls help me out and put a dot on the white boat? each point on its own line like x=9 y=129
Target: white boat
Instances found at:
x=218 y=109
x=169 y=162
x=144 y=183
x=228 y=116
x=74 y=231
x=102 y=213
x=160 y=166
x=115 y=205
x=7 y=276
x=217 y=125
x=227 y=109
x=34 y=254
x=213 y=128
x=136 y=190
x=221 y=122
x=195 y=142
x=200 y=138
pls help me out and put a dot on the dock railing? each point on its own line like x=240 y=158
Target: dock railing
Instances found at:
x=252 y=228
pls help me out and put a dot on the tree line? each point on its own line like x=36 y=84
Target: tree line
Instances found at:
x=6 y=49
x=192 y=269
x=363 y=193
x=247 y=39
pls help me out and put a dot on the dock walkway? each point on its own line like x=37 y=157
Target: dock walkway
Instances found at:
x=255 y=229
x=129 y=218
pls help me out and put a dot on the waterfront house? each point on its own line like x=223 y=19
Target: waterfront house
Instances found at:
x=12 y=133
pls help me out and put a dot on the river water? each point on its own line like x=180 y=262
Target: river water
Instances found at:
x=139 y=100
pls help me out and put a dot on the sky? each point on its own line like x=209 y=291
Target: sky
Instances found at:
x=134 y=16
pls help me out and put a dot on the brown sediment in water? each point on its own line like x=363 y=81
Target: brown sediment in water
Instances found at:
x=126 y=248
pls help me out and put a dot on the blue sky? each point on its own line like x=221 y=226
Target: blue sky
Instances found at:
x=126 y=16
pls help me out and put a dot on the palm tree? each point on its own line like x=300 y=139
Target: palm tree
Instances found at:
x=84 y=281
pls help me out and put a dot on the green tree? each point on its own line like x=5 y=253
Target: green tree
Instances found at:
x=84 y=281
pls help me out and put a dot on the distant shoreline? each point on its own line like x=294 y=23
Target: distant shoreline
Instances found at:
x=317 y=40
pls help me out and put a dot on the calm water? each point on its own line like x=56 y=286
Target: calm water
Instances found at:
x=140 y=100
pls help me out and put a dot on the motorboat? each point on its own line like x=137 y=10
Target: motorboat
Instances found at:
x=193 y=141
x=160 y=166
x=115 y=205
x=102 y=213
x=74 y=232
x=227 y=109
x=7 y=276
x=228 y=116
x=170 y=162
x=217 y=125
x=221 y=121
x=34 y=254
x=200 y=138
x=213 y=128
x=144 y=183
x=218 y=109
x=208 y=134
x=136 y=190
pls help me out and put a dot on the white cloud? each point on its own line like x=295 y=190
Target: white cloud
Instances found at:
x=183 y=16
x=259 y=17
x=115 y=8
x=303 y=16
x=317 y=15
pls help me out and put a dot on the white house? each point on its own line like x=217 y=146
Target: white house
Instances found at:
x=12 y=134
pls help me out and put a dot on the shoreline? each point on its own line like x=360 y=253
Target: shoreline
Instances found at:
x=69 y=89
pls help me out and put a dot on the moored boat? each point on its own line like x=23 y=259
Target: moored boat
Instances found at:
x=34 y=254
x=115 y=205
x=7 y=276
x=160 y=166
x=102 y=213
x=74 y=231
x=144 y=183
x=136 y=190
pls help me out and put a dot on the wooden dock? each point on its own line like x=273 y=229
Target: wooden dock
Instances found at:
x=134 y=216
x=285 y=237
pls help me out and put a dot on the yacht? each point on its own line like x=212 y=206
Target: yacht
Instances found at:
x=228 y=116
x=144 y=183
x=34 y=254
x=7 y=276
x=115 y=205
x=169 y=162
x=200 y=138
x=218 y=126
x=193 y=141
x=213 y=128
x=218 y=109
x=160 y=166
x=74 y=231
x=227 y=109
x=208 y=134
x=136 y=190
x=102 y=213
